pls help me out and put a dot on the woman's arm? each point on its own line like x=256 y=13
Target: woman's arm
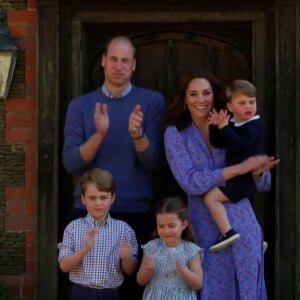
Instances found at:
x=262 y=175
x=198 y=179
x=256 y=164
x=193 y=179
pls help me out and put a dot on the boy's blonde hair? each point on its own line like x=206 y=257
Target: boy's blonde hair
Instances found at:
x=240 y=87
x=102 y=178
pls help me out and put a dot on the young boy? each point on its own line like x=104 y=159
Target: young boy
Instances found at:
x=97 y=250
x=242 y=136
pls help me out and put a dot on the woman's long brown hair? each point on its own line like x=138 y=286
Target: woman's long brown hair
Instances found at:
x=177 y=114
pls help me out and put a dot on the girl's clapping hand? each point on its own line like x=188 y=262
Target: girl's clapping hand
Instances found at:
x=149 y=261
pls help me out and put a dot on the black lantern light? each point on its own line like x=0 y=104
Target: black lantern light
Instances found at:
x=8 y=57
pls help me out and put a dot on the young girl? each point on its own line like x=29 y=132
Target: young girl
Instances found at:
x=171 y=264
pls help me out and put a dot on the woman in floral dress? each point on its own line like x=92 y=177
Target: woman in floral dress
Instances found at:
x=236 y=273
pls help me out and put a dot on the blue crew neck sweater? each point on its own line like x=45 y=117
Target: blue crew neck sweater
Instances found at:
x=131 y=170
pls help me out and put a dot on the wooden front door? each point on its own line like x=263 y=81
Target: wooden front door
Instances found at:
x=167 y=51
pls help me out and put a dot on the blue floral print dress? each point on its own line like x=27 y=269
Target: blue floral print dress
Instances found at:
x=167 y=283
x=237 y=272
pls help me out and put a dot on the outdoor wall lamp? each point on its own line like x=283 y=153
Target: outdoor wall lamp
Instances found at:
x=8 y=57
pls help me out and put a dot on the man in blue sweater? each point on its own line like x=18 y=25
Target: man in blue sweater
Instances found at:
x=118 y=128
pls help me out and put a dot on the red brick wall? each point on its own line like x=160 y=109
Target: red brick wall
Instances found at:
x=21 y=128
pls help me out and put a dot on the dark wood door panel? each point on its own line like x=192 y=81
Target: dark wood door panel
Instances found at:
x=164 y=56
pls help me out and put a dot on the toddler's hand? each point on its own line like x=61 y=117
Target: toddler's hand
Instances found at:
x=213 y=118
x=220 y=119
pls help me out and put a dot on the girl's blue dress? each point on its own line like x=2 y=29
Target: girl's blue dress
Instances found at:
x=167 y=283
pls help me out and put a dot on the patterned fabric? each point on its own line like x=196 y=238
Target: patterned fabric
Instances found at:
x=236 y=272
x=167 y=282
x=101 y=266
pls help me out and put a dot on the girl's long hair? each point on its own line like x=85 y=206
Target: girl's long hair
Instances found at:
x=175 y=205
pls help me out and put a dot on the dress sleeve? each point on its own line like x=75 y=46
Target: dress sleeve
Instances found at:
x=194 y=179
x=195 y=249
x=151 y=247
x=263 y=182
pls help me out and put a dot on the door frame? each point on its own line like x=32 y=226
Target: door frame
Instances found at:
x=54 y=69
